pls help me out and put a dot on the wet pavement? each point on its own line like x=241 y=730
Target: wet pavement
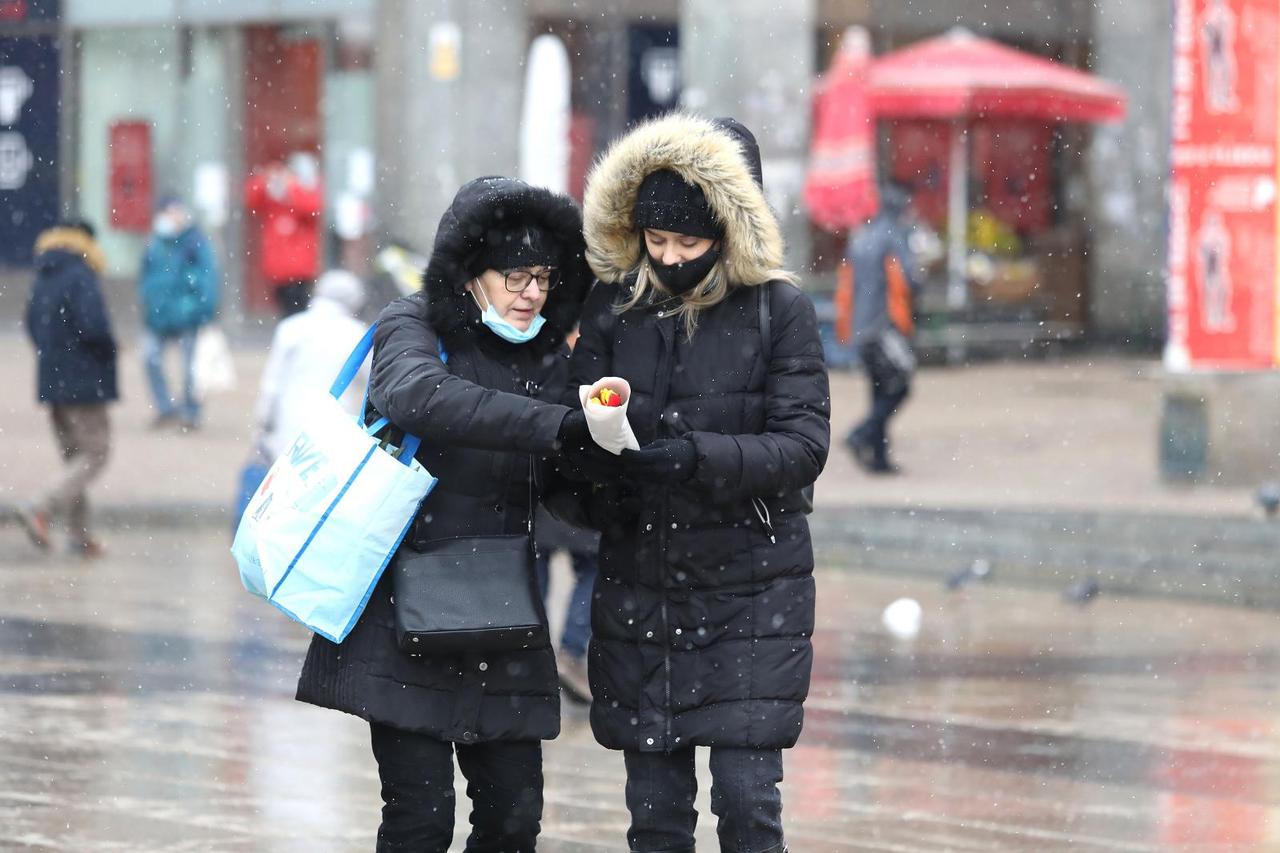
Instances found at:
x=146 y=705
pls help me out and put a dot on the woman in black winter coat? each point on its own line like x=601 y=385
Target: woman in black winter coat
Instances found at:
x=470 y=365
x=704 y=604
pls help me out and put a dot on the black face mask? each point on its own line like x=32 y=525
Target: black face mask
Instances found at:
x=681 y=278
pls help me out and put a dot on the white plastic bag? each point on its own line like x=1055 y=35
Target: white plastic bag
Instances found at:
x=608 y=424
x=214 y=368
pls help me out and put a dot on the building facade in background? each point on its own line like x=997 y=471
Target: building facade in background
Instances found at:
x=230 y=87
x=403 y=100
x=30 y=124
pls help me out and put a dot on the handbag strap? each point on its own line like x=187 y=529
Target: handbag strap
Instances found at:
x=409 y=446
x=533 y=540
x=766 y=334
x=766 y=349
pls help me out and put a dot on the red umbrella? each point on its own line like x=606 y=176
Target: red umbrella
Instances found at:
x=840 y=186
x=960 y=75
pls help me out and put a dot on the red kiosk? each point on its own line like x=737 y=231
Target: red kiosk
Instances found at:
x=973 y=121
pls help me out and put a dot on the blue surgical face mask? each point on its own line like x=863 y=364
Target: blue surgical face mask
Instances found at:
x=500 y=327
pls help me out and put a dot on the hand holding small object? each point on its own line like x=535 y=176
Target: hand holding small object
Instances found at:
x=666 y=460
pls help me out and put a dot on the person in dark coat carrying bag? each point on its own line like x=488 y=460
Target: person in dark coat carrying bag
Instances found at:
x=885 y=287
x=475 y=365
x=704 y=604
x=68 y=322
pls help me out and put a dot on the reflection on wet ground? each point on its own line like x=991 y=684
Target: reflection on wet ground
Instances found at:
x=147 y=706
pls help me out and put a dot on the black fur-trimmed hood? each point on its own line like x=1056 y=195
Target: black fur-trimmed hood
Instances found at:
x=490 y=203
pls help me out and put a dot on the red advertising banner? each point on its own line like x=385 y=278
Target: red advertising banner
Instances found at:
x=1222 y=201
x=130 y=182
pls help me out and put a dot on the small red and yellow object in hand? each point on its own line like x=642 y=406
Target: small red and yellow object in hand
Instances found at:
x=607 y=397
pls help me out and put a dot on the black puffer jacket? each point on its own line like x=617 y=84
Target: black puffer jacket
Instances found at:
x=705 y=603
x=68 y=322
x=482 y=418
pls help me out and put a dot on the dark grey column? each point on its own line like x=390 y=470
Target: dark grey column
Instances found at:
x=1128 y=167
x=450 y=75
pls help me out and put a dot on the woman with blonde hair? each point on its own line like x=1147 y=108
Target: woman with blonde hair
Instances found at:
x=704 y=604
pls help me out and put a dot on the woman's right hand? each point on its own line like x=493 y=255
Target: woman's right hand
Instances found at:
x=574 y=433
x=587 y=462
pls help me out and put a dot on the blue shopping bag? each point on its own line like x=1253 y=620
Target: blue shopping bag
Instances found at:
x=332 y=510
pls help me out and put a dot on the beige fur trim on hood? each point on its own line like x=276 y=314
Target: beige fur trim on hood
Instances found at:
x=76 y=242
x=704 y=154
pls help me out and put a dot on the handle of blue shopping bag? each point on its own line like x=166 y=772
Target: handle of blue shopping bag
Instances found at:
x=409 y=448
x=352 y=365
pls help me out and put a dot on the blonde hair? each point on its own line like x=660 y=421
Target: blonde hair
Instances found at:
x=710 y=291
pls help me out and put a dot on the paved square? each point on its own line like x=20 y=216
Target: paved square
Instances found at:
x=147 y=707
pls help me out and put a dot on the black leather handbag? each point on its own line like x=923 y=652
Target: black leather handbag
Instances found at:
x=468 y=593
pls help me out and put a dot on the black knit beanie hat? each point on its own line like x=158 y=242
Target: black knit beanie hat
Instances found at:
x=668 y=202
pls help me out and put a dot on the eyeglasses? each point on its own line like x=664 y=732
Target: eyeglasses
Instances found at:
x=518 y=279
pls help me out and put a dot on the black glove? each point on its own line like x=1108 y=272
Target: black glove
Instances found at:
x=589 y=463
x=667 y=460
x=573 y=432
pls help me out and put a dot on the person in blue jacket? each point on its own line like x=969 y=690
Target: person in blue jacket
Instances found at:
x=178 y=293
x=68 y=323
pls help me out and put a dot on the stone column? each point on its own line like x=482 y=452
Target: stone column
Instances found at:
x=1128 y=170
x=449 y=76
x=755 y=60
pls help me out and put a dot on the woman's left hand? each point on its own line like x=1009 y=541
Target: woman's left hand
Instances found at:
x=666 y=460
x=589 y=463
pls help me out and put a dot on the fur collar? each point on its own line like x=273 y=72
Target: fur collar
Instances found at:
x=75 y=242
x=495 y=202
x=723 y=163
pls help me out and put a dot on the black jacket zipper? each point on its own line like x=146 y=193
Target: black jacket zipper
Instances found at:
x=661 y=391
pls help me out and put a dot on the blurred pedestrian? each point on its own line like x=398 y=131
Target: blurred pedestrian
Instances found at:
x=475 y=365
x=705 y=601
x=885 y=285
x=287 y=202
x=178 y=293
x=68 y=322
x=307 y=351
x=580 y=546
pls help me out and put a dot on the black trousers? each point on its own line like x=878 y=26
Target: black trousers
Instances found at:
x=661 y=788
x=890 y=386
x=504 y=783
